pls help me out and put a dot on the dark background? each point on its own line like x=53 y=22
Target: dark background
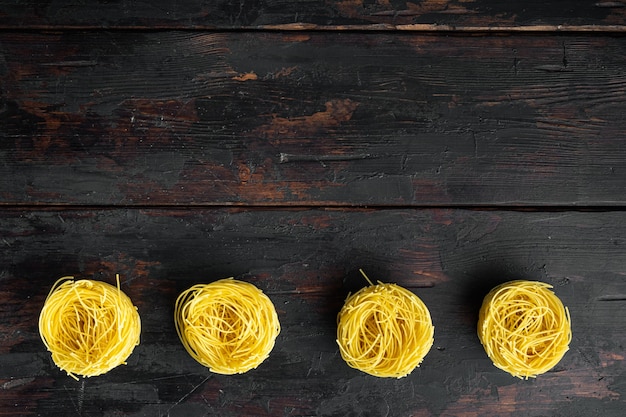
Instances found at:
x=446 y=146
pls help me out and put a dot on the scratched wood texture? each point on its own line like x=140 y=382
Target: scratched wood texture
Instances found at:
x=306 y=261
x=435 y=15
x=311 y=118
x=447 y=146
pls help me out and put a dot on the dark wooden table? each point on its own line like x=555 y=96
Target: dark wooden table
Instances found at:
x=446 y=146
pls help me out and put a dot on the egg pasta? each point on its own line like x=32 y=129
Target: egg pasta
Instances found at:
x=524 y=328
x=384 y=330
x=90 y=327
x=228 y=325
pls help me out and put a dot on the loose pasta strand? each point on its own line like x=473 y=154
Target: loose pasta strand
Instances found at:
x=384 y=330
x=89 y=327
x=229 y=326
x=524 y=328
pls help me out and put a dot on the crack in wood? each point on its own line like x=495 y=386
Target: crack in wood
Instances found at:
x=288 y=157
x=80 y=63
x=15 y=383
x=612 y=297
x=184 y=397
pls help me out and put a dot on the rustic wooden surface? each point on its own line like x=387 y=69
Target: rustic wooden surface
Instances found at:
x=306 y=261
x=445 y=146
x=312 y=118
x=432 y=15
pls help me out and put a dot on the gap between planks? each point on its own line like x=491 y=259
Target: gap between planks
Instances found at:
x=424 y=28
x=330 y=206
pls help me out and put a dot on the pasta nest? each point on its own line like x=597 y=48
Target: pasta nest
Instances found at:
x=524 y=328
x=384 y=330
x=90 y=327
x=228 y=325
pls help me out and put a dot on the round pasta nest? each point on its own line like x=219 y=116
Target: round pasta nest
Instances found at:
x=90 y=327
x=524 y=328
x=228 y=325
x=384 y=330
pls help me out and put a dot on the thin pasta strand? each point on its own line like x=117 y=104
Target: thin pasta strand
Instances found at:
x=384 y=330
x=89 y=327
x=524 y=328
x=229 y=326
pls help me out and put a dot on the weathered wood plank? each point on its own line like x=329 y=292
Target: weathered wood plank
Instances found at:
x=306 y=260
x=311 y=119
x=320 y=14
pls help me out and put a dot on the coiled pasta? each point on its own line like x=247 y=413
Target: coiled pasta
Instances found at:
x=90 y=327
x=524 y=328
x=228 y=325
x=384 y=330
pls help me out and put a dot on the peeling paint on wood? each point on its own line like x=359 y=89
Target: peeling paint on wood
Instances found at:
x=388 y=119
x=313 y=14
x=446 y=146
x=307 y=261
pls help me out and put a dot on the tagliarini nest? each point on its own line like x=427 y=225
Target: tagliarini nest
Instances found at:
x=90 y=327
x=228 y=325
x=384 y=330
x=524 y=328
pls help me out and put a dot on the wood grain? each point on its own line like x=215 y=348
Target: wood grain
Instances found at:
x=311 y=119
x=307 y=261
x=429 y=15
x=447 y=146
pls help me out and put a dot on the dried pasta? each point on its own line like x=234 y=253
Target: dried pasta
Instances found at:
x=384 y=330
x=524 y=328
x=90 y=327
x=228 y=325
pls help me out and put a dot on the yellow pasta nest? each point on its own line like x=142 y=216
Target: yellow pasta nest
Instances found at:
x=90 y=327
x=384 y=330
x=228 y=325
x=524 y=328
